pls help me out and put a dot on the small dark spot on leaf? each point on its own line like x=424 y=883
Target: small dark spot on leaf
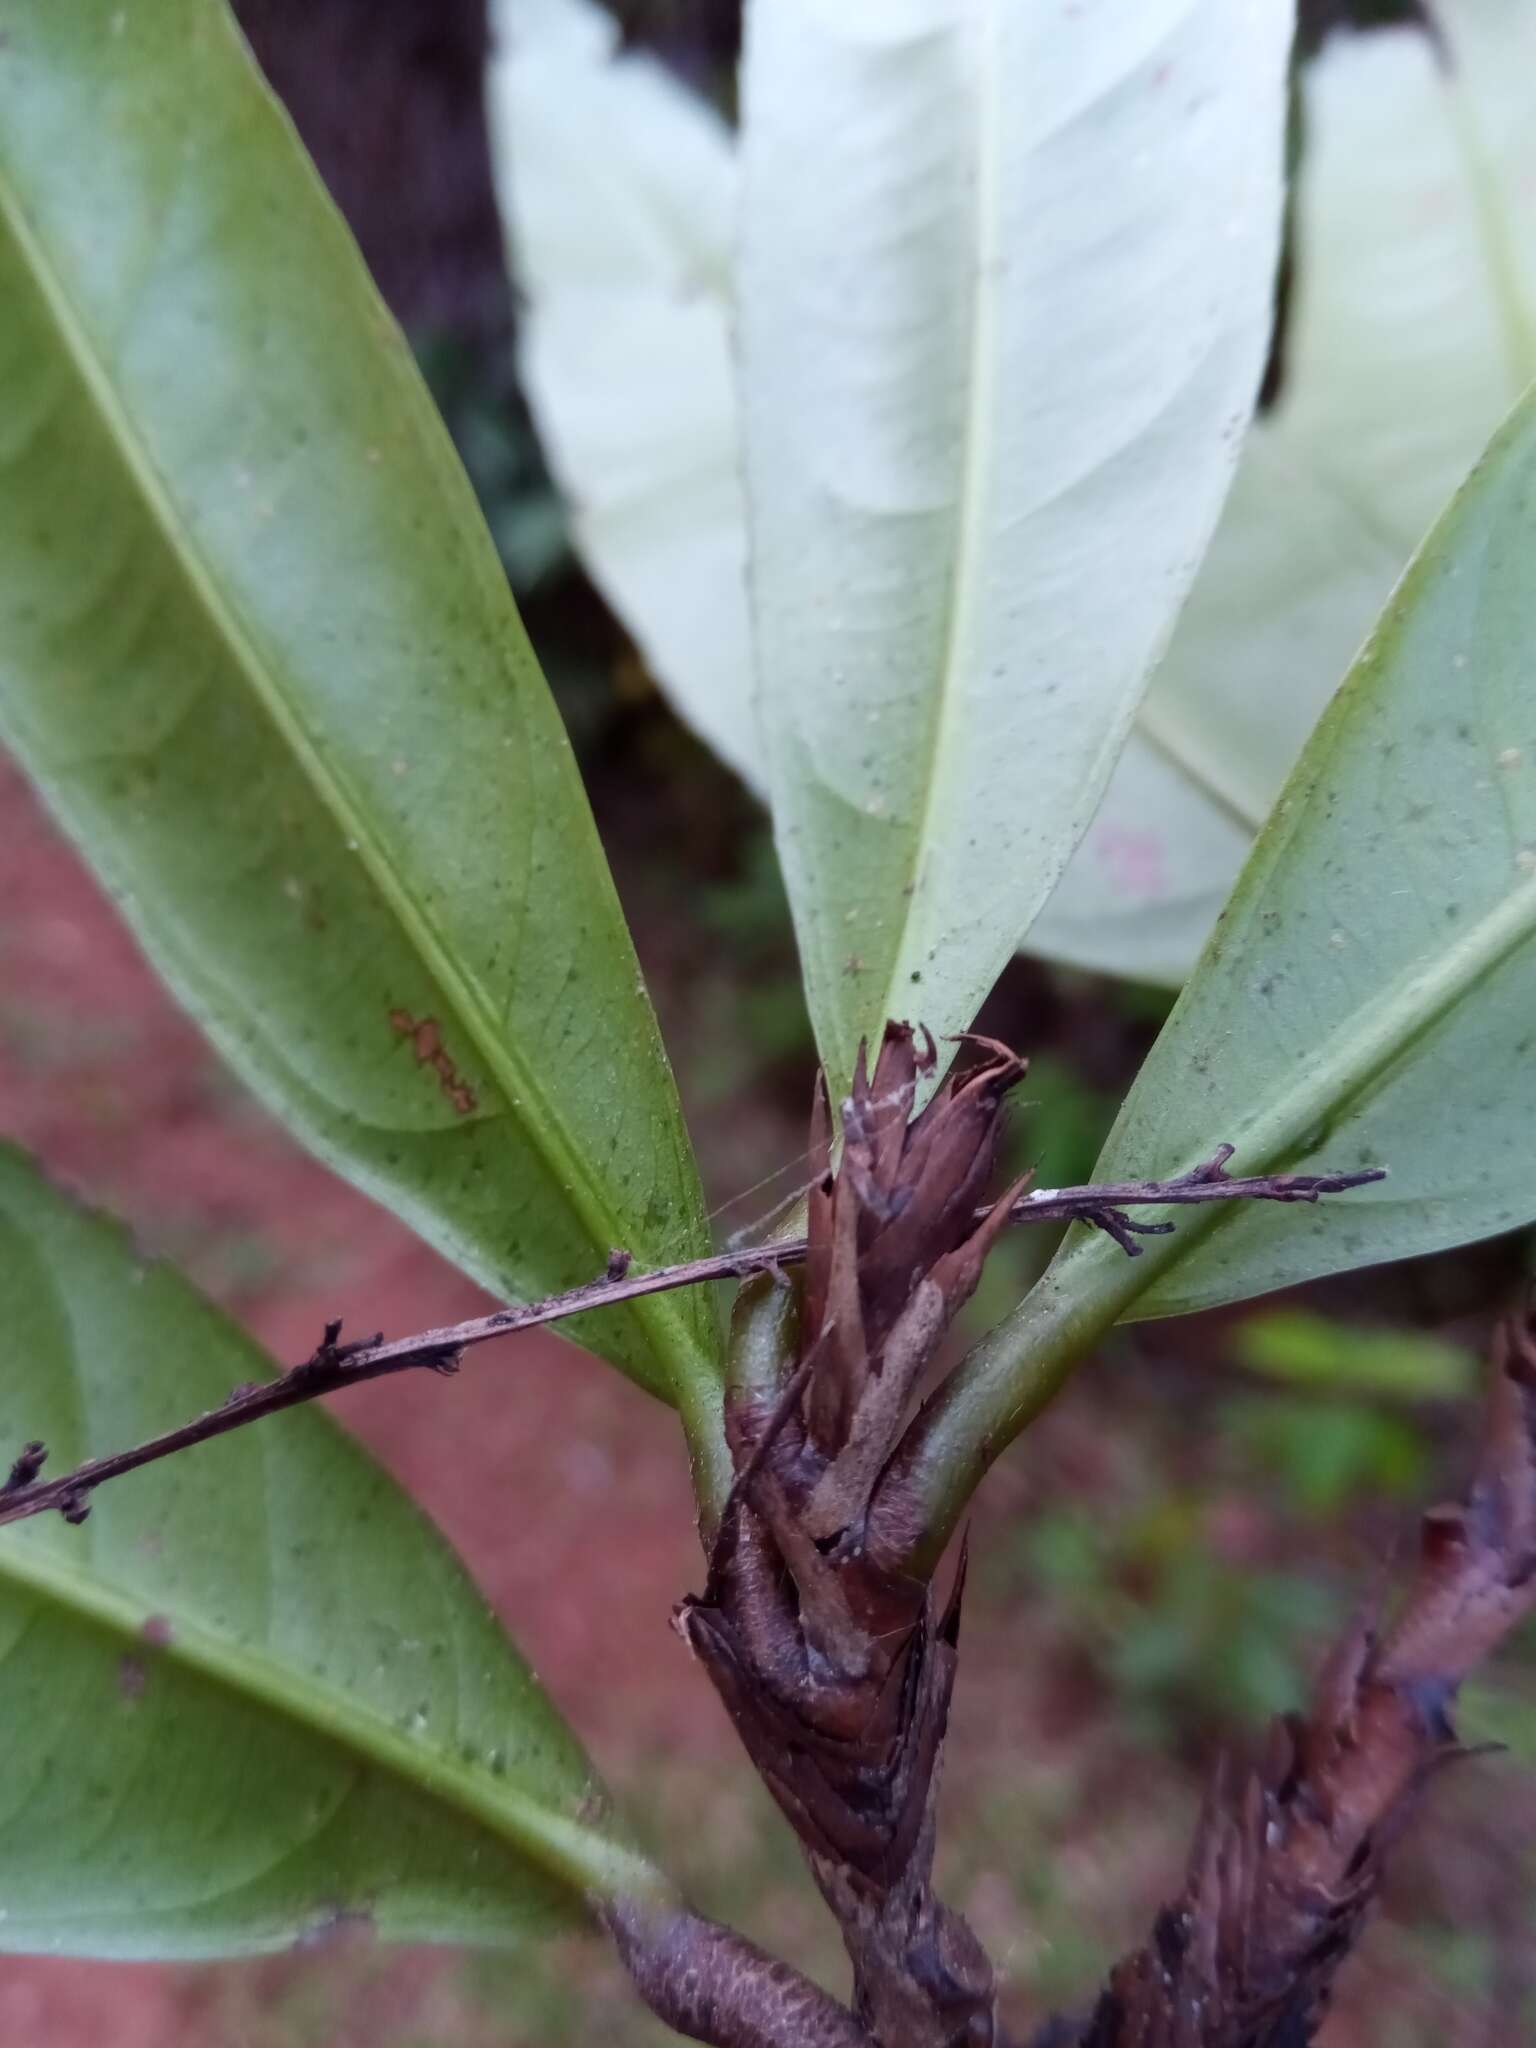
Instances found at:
x=159 y=1630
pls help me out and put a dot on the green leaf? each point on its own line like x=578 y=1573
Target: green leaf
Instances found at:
x=255 y=1693
x=1005 y=289
x=1367 y=999
x=258 y=651
x=1369 y=996
x=1412 y=331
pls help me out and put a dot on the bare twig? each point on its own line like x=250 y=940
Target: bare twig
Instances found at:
x=333 y=1367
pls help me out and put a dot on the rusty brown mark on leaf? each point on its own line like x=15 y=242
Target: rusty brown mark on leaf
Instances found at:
x=426 y=1041
x=1288 y=1858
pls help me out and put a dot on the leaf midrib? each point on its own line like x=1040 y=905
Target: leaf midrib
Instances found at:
x=516 y=1081
x=560 y=1847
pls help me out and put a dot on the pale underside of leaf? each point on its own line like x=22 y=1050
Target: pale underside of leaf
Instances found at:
x=618 y=189
x=1410 y=331
x=1413 y=328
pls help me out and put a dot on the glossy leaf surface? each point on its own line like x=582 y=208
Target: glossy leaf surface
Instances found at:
x=254 y=1695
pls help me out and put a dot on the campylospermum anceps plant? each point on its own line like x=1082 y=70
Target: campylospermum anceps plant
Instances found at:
x=1004 y=300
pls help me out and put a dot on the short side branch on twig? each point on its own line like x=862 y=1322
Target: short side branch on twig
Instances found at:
x=333 y=1366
